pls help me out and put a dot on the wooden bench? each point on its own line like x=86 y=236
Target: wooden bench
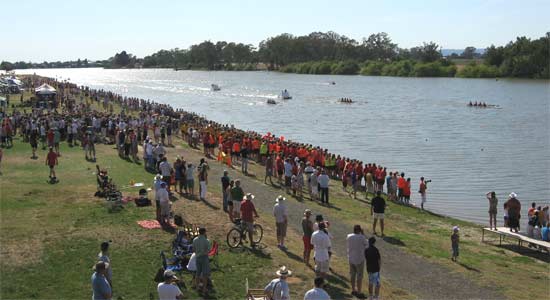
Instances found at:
x=504 y=232
x=254 y=294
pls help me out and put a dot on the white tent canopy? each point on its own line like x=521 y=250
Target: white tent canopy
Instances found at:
x=45 y=89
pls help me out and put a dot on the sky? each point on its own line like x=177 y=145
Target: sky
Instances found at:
x=67 y=30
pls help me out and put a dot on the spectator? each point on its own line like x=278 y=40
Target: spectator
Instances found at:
x=203 y=178
x=165 y=170
x=168 y=290
x=307 y=228
x=201 y=246
x=104 y=257
x=225 y=183
x=422 y=190
x=493 y=203
x=100 y=286
x=278 y=289
x=321 y=246
x=189 y=174
x=514 y=212
x=248 y=213
x=164 y=201
x=237 y=195
x=545 y=232
x=377 y=208
x=374 y=262
x=324 y=180
x=357 y=243
x=288 y=174
x=51 y=161
x=268 y=169
x=455 y=238
x=281 y=221
x=192 y=267
x=314 y=185
x=317 y=292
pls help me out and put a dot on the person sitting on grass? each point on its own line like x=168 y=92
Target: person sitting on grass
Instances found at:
x=167 y=290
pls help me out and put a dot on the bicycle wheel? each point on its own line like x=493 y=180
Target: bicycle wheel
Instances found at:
x=258 y=233
x=233 y=238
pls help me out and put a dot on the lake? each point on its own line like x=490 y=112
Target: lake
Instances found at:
x=421 y=126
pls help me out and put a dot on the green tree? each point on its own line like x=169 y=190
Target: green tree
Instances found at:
x=469 y=52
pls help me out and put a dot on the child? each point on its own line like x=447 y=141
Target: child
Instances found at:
x=454 y=242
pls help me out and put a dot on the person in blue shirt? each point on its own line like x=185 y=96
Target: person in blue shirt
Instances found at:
x=100 y=286
x=546 y=233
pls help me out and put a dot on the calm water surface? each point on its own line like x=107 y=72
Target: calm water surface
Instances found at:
x=419 y=125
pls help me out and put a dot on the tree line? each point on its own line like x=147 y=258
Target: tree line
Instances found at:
x=332 y=53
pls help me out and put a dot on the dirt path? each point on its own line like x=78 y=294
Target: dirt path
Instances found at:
x=417 y=275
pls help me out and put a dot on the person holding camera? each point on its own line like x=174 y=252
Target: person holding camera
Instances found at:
x=422 y=190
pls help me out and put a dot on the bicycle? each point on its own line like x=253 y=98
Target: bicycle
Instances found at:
x=238 y=234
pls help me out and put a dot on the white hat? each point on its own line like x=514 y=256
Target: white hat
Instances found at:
x=512 y=195
x=280 y=198
x=283 y=271
x=456 y=228
x=248 y=196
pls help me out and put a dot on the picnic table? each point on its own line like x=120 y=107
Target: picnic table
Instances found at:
x=504 y=232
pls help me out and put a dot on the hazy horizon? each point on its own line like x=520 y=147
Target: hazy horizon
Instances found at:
x=96 y=30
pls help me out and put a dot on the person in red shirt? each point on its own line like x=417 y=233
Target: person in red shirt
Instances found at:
x=401 y=183
x=248 y=213
x=51 y=161
x=407 y=191
x=280 y=166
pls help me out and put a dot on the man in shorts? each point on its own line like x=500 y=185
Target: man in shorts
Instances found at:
x=288 y=174
x=51 y=161
x=377 y=208
x=248 y=213
x=201 y=246
x=237 y=195
x=357 y=243
x=281 y=221
x=372 y=256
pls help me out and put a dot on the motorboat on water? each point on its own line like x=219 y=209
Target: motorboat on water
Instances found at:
x=285 y=95
x=271 y=101
x=215 y=87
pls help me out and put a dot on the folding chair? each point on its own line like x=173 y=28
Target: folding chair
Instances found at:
x=254 y=294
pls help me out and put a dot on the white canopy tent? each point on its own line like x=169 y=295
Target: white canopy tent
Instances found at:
x=45 y=89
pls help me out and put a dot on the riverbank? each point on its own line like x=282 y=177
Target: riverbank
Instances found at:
x=408 y=230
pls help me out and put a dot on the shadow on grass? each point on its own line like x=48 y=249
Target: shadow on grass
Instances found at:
x=210 y=204
x=394 y=241
x=528 y=252
x=293 y=256
x=465 y=266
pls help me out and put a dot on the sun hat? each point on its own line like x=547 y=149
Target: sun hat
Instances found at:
x=307 y=211
x=280 y=198
x=283 y=271
x=168 y=274
x=456 y=228
x=512 y=195
x=249 y=196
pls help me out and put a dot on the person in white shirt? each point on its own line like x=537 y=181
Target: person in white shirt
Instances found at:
x=281 y=221
x=317 y=293
x=357 y=243
x=324 y=180
x=192 y=267
x=164 y=200
x=168 y=290
x=278 y=289
x=321 y=246
x=165 y=170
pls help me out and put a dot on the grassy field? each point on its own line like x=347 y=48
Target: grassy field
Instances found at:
x=50 y=235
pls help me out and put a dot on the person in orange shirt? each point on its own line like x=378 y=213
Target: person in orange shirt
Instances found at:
x=401 y=183
x=407 y=191
x=256 y=149
x=236 y=150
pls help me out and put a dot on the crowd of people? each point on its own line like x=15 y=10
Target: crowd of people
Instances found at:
x=86 y=116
